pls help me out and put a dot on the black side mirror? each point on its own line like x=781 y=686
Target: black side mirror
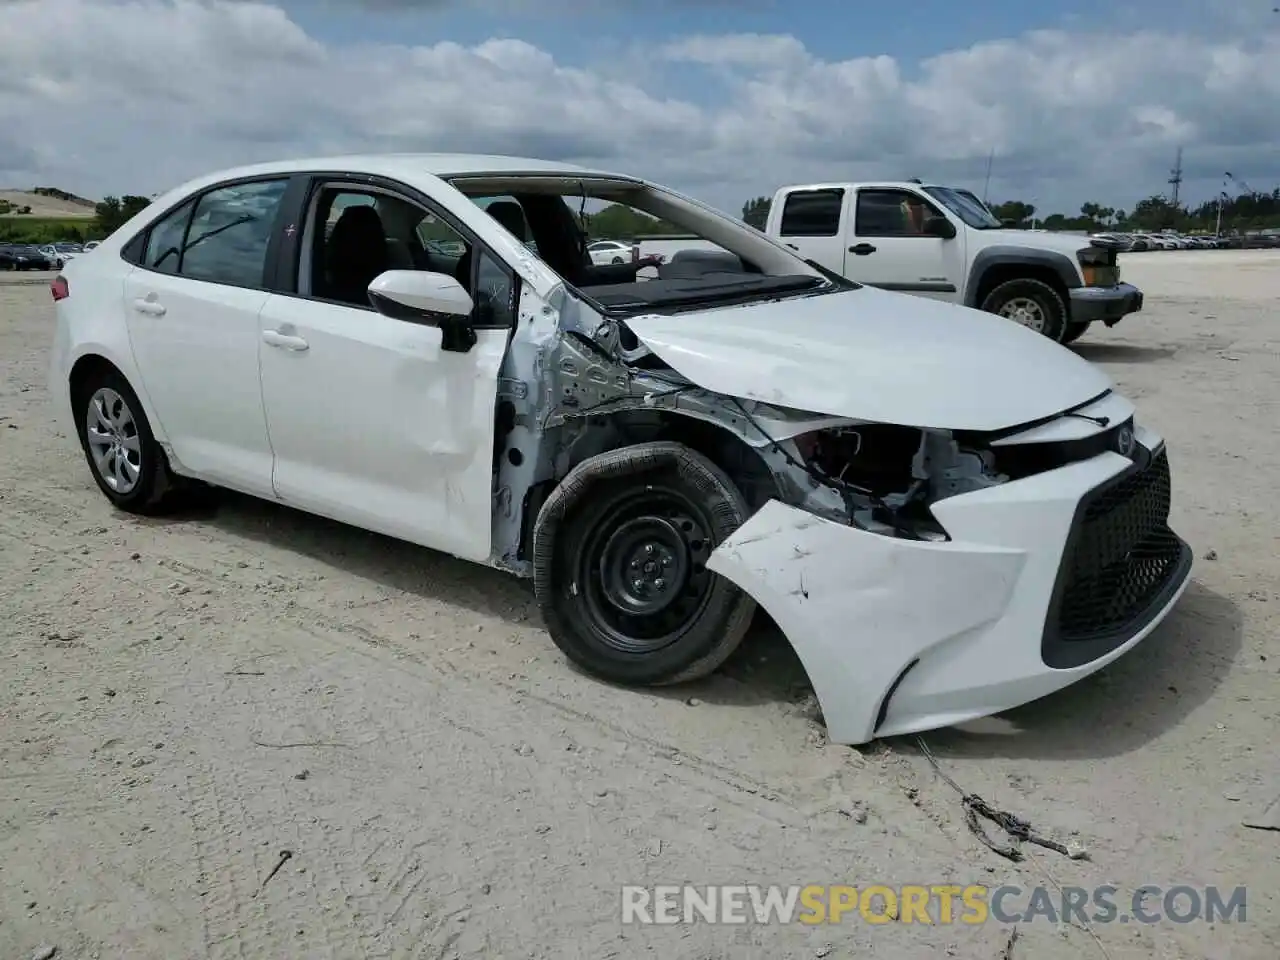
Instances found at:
x=936 y=226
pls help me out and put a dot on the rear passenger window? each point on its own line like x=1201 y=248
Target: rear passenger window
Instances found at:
x=230 y=231
x=164 y=244
x=812 y=213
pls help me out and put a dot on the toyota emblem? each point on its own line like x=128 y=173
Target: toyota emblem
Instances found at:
x=1125 y=441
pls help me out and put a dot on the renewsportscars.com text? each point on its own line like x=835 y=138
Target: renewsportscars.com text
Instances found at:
x=940 y=904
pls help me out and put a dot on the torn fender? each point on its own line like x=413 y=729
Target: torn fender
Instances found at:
x=858 y=607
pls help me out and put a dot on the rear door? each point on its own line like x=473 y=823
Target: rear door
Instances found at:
x=811 y=223
x=192 y=305
x=889 y=248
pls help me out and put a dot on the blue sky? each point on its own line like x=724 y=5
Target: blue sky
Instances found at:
x=1082 y=101
x=909 y=30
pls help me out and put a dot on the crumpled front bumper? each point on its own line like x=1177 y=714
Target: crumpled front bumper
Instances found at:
x=899 y=636
x=1108 y=304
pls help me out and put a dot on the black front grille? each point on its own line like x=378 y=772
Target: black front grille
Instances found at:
x=1027 y=459
x=1120 y=561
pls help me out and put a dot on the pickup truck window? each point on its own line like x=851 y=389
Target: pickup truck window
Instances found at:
x=812 y=213
x=965 y=206
x=891 y=213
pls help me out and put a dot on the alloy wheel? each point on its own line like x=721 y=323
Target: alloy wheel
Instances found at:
x=114 y=443
x=1025 y=311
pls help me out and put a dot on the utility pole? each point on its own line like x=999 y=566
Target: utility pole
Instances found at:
x=1175 y=179
x=986 y=186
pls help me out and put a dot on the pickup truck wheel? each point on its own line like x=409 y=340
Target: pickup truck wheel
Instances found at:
x=627 y=595
x=1075 y=330
x=1032 y=303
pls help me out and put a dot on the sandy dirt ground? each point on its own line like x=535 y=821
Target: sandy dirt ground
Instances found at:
x=183 y=700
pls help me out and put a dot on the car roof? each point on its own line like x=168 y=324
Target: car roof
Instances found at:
x=869 y=184
x=407 y=165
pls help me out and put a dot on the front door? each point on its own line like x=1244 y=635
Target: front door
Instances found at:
x=888 y=248
x=371 y=421
x=192 y=304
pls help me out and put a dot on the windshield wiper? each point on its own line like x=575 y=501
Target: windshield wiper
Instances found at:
x=833 y=277
x=217 y=230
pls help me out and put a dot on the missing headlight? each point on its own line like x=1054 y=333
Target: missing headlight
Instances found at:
x=874 y=457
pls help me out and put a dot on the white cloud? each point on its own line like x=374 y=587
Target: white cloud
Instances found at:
x=133 y=97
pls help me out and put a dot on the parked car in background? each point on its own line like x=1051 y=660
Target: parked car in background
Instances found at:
x=52 y=255
x=22 y=256
x=1258 y=240
x=448 y=248
x=946 y=514
x=939 y=242
x=613 y=251
x=44 y=257
x=68 y=251
x=1123 y=242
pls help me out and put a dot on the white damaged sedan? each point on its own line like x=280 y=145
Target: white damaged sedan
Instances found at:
x=947 y=514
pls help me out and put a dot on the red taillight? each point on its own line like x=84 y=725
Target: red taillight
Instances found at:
x=59 y=288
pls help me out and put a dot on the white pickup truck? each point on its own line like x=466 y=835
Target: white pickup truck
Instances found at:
x=943 y=242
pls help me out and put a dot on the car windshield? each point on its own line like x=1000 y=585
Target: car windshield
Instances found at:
x=965 y=206
x=708 y=258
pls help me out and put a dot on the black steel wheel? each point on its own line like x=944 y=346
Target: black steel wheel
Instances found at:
x=622 y=578
x=642 y=568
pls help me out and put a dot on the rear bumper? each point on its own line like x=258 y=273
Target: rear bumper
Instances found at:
x=1045 y=581
x=1108 y=304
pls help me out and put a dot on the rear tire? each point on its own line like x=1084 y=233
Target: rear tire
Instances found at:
x=1074 y=331
x=1032 y=303
x=626 y=594
x=126 y=461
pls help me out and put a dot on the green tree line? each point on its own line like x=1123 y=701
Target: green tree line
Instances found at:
x=18 y=226
x=620 y=222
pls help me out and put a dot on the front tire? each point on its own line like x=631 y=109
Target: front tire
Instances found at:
x=1075 y=330
x=624 y=588
x=124 y=457
x=1032 y=303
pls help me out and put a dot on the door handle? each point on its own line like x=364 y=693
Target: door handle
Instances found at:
x=862 y=249
x=150 y=306
x=277 y=339
x=793 y=246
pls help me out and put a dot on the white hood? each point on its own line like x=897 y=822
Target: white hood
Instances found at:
x=868 y=354
x=1067 y=243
